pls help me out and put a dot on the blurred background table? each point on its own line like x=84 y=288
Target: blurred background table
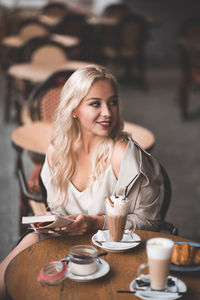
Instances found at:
x=35 y=136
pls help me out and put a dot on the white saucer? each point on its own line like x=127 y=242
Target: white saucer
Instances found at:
x=103 y=269
x=178 y=287
x=103 y=235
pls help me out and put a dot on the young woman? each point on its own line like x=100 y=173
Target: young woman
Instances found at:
x=90 y=158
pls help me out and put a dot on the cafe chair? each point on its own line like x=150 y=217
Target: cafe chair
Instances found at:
x=42 y=104
x=12 y=45
x=37 y=64
x=125 y=46
x=44 y=99
x=32 y=193
x=116 y=10
x=74 y=25
x=55 y=9
x=189 y=49
x=52 y=13
x=165 y=226
x=41 y=58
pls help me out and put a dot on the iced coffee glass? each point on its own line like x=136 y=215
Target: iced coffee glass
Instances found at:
x=159 y=253
x=116 y=210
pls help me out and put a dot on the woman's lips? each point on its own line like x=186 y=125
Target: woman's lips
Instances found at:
x=105 y=124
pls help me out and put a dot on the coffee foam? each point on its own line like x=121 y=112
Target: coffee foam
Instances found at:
x=85 y=269
x=159 y=248
x=119 y=207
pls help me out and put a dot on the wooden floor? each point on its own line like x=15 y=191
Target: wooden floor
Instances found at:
x=177 y=147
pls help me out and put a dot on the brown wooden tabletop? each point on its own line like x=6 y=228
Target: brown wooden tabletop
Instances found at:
x=21 y=274
x=35 y=136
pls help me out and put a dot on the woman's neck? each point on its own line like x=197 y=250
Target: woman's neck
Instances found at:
x=89 y=145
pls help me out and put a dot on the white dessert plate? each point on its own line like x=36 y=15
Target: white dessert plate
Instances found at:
x=147 y=293
x=103 y=235
x=103 y=269
x=181 y=268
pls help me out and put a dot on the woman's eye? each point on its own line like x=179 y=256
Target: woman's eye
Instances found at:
x=95 y=104
x=114 y=102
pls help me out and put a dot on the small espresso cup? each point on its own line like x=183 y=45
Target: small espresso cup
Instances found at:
x=159 y=253
x=83 y=260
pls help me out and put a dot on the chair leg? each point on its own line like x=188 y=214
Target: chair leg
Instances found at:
x=23 y=211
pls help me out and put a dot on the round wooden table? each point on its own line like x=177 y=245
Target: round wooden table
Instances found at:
x=21 y=274
x=35 y=136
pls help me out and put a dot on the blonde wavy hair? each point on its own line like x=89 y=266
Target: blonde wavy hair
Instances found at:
x=66 y=131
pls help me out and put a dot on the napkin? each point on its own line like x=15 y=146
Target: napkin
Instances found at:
x=103 y=235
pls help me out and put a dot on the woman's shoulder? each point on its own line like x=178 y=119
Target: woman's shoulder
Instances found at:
x=120 y=146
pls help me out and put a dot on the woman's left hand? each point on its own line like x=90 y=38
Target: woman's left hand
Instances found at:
x=83 y=224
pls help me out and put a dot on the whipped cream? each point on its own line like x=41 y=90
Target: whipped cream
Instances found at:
x=116 y=206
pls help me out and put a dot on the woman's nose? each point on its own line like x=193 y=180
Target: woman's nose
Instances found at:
x=105 y=110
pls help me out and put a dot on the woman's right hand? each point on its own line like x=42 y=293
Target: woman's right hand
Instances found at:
x=43 y=230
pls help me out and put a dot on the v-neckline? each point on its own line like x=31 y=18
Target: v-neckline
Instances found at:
x=81 y=192
x=75 y=188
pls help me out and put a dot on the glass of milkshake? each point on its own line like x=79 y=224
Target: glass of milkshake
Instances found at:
x=159 y=253
x=116 y=210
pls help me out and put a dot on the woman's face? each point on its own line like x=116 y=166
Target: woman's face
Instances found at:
x=98 y=111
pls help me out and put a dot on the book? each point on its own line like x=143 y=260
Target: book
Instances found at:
x=47 y=221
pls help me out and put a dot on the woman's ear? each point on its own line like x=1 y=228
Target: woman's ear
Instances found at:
x=74 y=115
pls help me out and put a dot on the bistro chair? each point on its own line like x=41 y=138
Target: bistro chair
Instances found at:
x=44 y=99
x=52 y=13
x=55 y=9
x=189 y=48
x=165 y=226
x=126 y=48
x=42 y=104
x=32 y=193
x=37 y=65
x=12 y=45
x=74 y=25
x=116 y=10
x=41 y=58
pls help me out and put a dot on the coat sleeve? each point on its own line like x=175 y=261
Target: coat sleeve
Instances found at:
x=140 y=179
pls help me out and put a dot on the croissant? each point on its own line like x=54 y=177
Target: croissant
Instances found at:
x=185 y=254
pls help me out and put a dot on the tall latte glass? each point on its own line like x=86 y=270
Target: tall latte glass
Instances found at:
x=159 y=253
x=116 y=210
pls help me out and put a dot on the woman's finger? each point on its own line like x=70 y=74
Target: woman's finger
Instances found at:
x=63 y=228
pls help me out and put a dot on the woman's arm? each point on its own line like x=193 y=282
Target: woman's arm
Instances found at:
x=140 y=175
x=144 y=211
